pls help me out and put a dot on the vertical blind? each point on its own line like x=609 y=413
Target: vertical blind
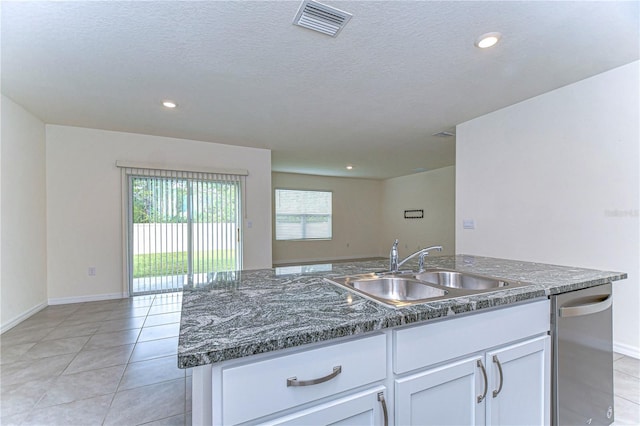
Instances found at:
x=183 y=227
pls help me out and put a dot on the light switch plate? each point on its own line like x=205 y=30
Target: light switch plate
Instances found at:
x=468 y=224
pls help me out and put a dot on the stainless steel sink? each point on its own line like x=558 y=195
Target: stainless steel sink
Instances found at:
x=461 y=280
x=391 y=290
x=405 y=289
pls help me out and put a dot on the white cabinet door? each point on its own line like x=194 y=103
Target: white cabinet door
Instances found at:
x=447 y=395
x=363 y=408
x=519 y=380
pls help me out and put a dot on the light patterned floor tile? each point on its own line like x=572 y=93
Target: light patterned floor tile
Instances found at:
x=30 y=370
x=628 y=365
x=22 y=397
x=165 y=309
x=129 y=313
x=88 y=384
x=14 y=353
x=121 y=324
x=159 y=332
x=99 y=358
x=114 y=338
x=73 y=331
x=626 y=386
x=152 y=371
x=626 y=412
x=15 y=419
x=49 y=348
x=178 y=420
x=84 y=412
x=16 y=336
x=162 y=319
x=83 y=317
x=148 y=403
x=155 y=349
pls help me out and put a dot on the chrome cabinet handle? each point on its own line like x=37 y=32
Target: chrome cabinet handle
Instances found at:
x=293 y=381
x=486 y=383
x=384 y=408
x=497 y=361
x=602 y=302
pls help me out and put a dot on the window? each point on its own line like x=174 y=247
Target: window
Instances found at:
x=303 y=215
x=182 y=227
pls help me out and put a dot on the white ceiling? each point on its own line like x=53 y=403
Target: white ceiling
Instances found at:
x=242 y=74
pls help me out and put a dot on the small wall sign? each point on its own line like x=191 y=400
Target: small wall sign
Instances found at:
x=414 y=214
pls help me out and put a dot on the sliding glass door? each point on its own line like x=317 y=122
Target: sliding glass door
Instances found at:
x=182 y=230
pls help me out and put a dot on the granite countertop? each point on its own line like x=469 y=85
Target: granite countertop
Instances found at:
x=244 y=313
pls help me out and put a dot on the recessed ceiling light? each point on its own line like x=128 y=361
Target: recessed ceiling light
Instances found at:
x=488 y=40
x=169 y=104
x=349 y=167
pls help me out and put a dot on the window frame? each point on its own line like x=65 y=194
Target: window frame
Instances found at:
x=275 y=215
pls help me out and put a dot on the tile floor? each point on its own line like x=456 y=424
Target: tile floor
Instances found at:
x=111 y=362
x=114 y=363
x=626 y=385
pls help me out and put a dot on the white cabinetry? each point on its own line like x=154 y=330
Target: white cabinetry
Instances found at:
x=487 y=368
x=507 y=386
x=363 y=408
x=490 y=368
x=302 y=385
x=441 y=396
x=519 y=383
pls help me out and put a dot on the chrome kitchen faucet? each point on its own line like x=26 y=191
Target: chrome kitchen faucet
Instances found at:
x=394 y=264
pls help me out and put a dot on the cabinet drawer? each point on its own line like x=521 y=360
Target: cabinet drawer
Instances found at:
x=261 y=388
x=421 y=346
x=362 y=408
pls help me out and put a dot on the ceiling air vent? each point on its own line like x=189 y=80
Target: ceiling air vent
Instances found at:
x=444 y=134
x=322 y=18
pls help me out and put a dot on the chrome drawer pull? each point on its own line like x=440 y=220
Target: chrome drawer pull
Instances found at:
x=384 y=408
x=293 y=381
x=497 y=361
x=486 y=383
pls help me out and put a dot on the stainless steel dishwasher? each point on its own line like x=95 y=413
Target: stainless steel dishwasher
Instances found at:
x=582 y=390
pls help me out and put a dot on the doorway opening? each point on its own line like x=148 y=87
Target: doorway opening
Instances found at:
x=182 y=229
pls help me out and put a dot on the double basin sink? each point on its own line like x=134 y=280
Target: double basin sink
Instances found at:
x=409 y=288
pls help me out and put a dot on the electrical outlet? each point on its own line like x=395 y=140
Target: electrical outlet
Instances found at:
x=92 y=271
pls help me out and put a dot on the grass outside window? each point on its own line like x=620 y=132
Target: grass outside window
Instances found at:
x=175 y=263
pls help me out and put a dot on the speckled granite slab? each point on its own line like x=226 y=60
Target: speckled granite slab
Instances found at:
x=250 y=312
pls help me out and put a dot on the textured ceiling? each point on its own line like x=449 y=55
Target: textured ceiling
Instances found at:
x=242 y=74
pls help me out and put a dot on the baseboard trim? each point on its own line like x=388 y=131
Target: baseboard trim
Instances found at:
x=17 y=320
x=90 y=298
x=627 y=350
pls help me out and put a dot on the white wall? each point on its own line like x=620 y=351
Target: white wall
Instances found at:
x=433 y=192
x=356 y=219
x=84 y=220
x=369 y=214
x=555 y=179
x=23 y=272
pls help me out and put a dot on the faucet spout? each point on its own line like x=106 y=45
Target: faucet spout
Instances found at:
x=394 y=264
x=423 y=253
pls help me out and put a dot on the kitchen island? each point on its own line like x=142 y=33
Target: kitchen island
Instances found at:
x=252 y=322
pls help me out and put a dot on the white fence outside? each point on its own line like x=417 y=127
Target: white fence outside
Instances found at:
x=172 y=237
